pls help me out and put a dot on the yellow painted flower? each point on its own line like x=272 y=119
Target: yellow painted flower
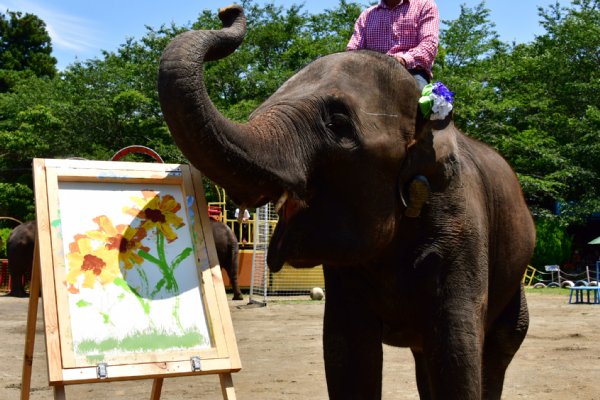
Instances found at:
x=124 y=238
x=93 y=264
x=159 y=212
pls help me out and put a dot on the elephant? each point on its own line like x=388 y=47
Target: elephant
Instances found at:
x=227 y=248
x=423 y=232
x=19 y=251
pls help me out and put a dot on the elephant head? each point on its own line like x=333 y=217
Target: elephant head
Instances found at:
x=327 y=147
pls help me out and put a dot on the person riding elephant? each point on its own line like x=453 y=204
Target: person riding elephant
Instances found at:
x=405 y=30
x=337 y=148
x=19 y=252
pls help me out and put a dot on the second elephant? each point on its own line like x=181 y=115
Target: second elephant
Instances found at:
x=227 y=248
x=19 y=251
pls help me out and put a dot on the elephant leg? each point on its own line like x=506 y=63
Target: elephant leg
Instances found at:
x=233 y=277
x=453 y=351
x=351 y=340
x=423 y=380
x=17 y=287
x=502 y=342
x=237 y=293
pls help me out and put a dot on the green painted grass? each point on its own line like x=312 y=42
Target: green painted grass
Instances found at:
x=95 y=358
x=146 y=341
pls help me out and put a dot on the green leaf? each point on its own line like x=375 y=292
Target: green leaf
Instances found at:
x=83 y=303
x=182 y=256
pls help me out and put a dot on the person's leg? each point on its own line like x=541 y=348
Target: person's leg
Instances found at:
x=420 y=78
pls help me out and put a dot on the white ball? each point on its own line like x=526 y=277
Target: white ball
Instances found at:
x=316 y=293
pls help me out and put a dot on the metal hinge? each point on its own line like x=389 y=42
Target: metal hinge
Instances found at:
x=175 y=172
x=195 y=363
x=101 y=371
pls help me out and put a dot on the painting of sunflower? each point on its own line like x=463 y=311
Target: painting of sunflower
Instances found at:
x=130 y=269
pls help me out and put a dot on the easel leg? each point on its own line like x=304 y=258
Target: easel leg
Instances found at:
x=34 y=296
x=227 y=386
x=59 y=392
x=156 y=389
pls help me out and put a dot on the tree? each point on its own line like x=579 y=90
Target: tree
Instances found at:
x=24 y=46
x=537 y=103
x=552 y=113
x=279 y=42
x=470 y=38
x=466 y=46
x=553 y=244
x=28 y=125
x=95 y=107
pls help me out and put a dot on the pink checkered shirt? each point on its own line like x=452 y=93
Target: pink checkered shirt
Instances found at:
x=410 y=30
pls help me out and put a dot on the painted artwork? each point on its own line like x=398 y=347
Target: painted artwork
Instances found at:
x=131 y=272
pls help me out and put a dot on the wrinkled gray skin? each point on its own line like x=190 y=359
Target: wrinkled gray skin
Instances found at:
x=344 y=138
x=19 y=251
x=227 y=248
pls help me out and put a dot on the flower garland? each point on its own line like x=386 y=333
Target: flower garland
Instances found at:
x=436 y=101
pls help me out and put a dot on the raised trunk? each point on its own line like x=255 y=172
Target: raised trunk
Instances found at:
x=238 y=157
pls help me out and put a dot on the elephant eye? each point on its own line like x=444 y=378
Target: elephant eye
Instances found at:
x=341 y=127
x=337 y=121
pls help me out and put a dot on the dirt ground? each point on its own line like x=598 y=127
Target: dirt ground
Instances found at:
x=280 y=348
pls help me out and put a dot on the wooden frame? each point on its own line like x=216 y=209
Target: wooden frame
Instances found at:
x=106 y=268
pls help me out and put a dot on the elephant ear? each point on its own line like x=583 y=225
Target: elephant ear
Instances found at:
x=431 y=162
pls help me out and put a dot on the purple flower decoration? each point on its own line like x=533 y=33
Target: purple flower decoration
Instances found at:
x=436 y=101
x=441 y=90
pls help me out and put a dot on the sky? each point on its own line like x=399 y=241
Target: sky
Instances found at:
x=81 y=29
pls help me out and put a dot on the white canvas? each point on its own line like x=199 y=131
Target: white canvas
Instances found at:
x=130 y=268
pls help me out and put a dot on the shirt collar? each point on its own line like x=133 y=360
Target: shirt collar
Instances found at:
x=383 y=4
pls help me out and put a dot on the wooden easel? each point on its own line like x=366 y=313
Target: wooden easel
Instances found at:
x=222 y=359
x=225 y=379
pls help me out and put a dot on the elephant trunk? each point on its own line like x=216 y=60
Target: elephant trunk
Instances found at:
x=232 y=155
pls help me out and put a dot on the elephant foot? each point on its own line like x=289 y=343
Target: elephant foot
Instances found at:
x=238 y=296
x=17 y=294
x=418 y=193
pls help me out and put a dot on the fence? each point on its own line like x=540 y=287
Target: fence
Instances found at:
x=555 y=277
x=243 y=230
x=529 y=276
x=4 y=276
x=289 y=283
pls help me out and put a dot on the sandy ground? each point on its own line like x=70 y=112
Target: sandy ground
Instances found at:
x=280 y=348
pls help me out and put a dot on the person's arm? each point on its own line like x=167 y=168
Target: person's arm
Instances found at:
x=428 y=33
x=357 y=41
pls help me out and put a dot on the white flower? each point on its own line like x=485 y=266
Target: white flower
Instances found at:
x=441 y=108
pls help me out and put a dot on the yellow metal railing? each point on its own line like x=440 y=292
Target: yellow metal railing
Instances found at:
x=244 y=231
x=220 y=204
x=529 y=275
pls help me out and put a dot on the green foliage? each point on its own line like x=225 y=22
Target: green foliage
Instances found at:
x=4 y=232
x=24 y=46
x=553 y=244
x=537 y=103
x=470 y=38
x=16 y=201
x=279 y=42
x=96 y=107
